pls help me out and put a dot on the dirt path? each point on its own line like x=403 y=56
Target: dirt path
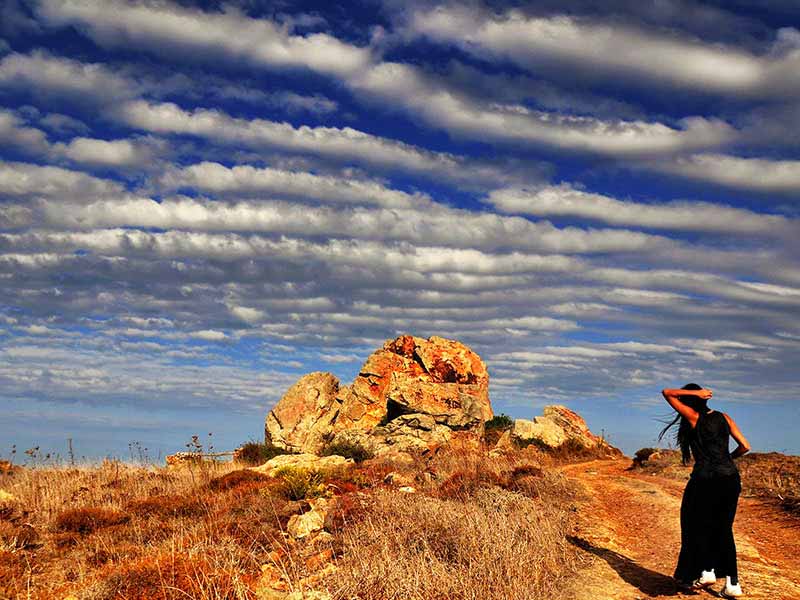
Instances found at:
x=630 y=524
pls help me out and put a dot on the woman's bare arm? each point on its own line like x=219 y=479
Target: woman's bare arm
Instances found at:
x=691 y=414
x=744 y=446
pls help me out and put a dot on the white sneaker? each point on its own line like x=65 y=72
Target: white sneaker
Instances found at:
x=706 y=579
x=730 y=590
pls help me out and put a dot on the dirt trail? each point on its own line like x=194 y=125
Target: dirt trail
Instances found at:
x=630 y=524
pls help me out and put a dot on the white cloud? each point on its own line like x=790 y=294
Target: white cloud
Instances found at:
x=114 y=153
x=566 y=201
x=15 y=133
x=757 y=174
x=396 y=83
x=167 y=29
x=245 y=180
x=433 y=225
x=597 y=49
x=27 y=180
x=338 y=144
x=51 y=77
x=405 y=84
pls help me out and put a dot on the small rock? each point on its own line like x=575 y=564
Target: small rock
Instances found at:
x=407 y=489
x=318 y=560
x=301 y=526
x=399 y=479
x=309 y=595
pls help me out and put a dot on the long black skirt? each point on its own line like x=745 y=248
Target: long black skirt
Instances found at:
x=707 y=512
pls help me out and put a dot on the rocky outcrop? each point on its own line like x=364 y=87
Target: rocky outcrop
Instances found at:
x=410 y=394
x=557 y=426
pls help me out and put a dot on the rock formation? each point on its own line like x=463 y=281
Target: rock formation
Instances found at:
x=557 y=426
x=410 y=394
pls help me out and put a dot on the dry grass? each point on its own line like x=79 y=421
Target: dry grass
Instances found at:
x=477 y=527
x=494 y=544
x=771 y=476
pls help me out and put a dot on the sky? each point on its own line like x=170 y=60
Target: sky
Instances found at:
x=202 y=201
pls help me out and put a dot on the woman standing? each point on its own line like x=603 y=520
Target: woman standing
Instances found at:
x=709 y=501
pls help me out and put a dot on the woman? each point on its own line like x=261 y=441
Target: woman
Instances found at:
x=709 y=500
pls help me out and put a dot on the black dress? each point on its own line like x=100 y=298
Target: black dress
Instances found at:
x=709 y=503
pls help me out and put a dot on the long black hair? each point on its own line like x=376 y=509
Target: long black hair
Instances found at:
x=683 y=434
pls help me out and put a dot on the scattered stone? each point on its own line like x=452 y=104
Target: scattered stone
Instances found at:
x=309 y=595
x=301 y=526
x=302 y=461
x=182 y=459
x=320 y=559
x=398 y=479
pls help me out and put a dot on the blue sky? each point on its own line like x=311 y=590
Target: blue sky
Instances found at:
x=200 y=202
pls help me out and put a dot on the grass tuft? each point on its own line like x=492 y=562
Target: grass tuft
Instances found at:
x=89 y=520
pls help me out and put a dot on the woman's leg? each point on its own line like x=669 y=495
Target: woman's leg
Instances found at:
x=730 y=489
x=691 y=558
x=705 y=537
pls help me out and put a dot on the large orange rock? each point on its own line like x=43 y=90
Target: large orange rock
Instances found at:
x=441 y=379
x=438 y=377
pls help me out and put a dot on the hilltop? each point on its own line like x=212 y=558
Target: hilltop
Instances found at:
x=401 y=484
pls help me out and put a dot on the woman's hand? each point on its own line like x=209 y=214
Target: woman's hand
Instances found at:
x=704 y=394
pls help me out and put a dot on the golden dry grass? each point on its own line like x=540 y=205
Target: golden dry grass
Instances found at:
x=477 y=527
x=771 y=475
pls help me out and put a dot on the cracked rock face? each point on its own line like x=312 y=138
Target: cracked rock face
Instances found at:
x=441 y=383
x=305 y=414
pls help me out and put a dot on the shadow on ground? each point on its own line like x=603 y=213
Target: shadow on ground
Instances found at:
x=646 y=581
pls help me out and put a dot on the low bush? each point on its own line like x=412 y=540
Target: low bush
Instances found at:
x=348 y=449
x=236 y=479
x=501 y=421
x=257 y=453
x=466 y=483
x=88 y=520
x=299 y=484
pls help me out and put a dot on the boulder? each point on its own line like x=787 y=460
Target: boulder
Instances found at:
x=572 y=424
x=301 y=461
x=540 y=430
x=303 y=417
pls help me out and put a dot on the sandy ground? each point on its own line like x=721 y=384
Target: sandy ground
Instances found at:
x=629 y=526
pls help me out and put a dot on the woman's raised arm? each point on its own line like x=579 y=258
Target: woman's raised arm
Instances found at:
x=691 y=414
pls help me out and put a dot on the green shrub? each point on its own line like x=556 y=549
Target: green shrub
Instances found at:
x=501 y=421
x=348 y=449
x=299 y=484
x=257 y=453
